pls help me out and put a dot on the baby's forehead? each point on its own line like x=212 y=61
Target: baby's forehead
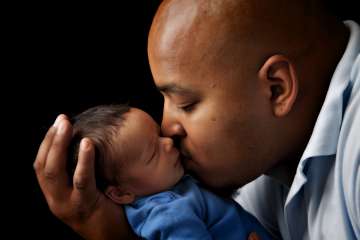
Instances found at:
x=143 y=119
x=135 y=136
x=136 y=127
x=140 y=113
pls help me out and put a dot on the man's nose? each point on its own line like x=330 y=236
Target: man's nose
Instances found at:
x=172 y=130
x=171 y=127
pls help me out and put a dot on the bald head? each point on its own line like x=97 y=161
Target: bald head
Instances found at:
x=223 y=32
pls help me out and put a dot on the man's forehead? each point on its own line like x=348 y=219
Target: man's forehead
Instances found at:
x=187 y=83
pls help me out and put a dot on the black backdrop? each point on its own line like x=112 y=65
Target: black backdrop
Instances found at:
x=69 y=57
x=74 y=56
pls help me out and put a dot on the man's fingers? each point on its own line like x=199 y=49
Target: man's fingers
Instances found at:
x=43 y=151
x=84 y=176
x=55 y=165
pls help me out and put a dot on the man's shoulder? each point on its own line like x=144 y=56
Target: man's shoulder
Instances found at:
x=350 y=127
x=355 y=75
x=348 y=154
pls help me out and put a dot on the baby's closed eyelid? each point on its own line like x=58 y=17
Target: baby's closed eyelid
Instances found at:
x=155 y=148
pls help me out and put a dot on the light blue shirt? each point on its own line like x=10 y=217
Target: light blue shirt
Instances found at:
x=188 y=211
x=323 y=201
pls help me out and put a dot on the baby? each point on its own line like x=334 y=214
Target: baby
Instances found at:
x=139 y=168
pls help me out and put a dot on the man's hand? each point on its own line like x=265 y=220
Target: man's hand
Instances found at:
x=80 y=205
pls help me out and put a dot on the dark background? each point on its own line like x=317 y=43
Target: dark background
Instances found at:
x=74 y=56
x=65 y=58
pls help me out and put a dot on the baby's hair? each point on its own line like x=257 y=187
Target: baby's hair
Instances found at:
x=99 y=124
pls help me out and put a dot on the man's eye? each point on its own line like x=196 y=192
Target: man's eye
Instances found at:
x=188 y=107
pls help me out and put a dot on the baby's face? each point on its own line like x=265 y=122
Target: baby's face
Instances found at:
x=151 y=162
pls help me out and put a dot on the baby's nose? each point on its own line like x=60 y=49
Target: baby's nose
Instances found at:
x=168 y=143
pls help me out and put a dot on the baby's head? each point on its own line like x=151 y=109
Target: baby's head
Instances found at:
x=132 y=159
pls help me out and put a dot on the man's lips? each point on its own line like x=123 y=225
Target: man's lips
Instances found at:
x=185 y=154
x=185 y=158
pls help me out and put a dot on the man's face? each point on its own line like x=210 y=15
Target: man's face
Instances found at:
x=150 y=163
x=214 y=102
x=218 y=119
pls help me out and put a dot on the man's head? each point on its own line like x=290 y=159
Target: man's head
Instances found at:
x=132 y=159
x=236 y=75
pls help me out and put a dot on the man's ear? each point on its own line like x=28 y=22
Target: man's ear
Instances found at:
x=279 y=77
x=118 y=195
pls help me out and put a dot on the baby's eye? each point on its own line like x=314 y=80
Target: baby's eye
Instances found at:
x=152 y=155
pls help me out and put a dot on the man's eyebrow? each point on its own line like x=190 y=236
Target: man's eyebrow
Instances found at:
x=174 y=89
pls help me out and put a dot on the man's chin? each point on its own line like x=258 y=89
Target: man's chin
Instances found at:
x=217 y=187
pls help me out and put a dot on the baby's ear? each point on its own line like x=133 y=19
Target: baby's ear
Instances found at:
x=119 y=196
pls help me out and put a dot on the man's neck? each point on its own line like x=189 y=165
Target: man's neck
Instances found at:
x=284 y=173
x=329 y=57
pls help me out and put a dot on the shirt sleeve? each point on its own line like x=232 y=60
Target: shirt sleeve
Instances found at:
x=174 y=221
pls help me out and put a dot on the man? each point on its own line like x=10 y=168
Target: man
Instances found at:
x=250 y=88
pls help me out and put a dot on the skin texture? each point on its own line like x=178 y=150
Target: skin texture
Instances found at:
x=243 y=83
x=145 y=162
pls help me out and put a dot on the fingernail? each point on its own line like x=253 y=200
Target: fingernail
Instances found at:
x=57 y=121
x=60 y=127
